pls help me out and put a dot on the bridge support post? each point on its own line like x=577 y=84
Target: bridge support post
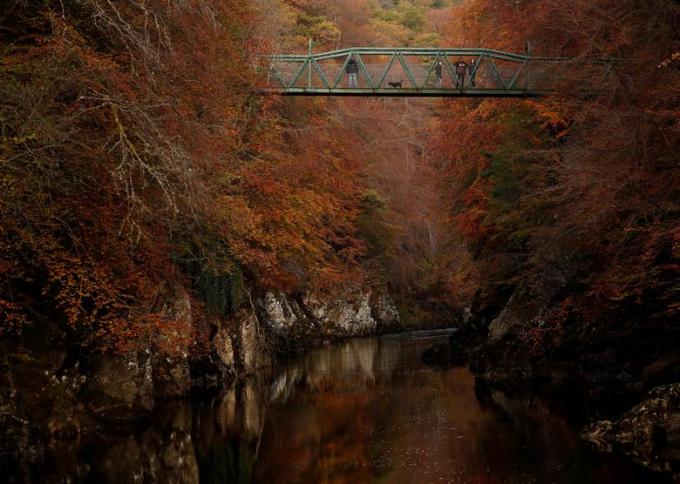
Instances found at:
x=527 y=49
x=309 y=62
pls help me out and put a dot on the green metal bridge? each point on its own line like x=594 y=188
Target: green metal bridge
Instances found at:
x=413 y=72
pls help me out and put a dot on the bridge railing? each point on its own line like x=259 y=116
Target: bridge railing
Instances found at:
x=391 y=71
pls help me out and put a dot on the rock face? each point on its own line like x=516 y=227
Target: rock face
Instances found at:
x=384 y=311
x=282 y=313
x=224 y=347
x=354 y=314
x=253 y=348
x=348 y=316
x=282 y=322
x=527 y=302
x=60 y=390
x=240 y=346
x=120 y=385
x=649 y=432
x=172 y=377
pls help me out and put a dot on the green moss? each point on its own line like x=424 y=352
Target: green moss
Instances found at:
x=215 y=278
x=373 y=228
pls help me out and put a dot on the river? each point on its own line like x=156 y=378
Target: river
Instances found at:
x=367 y=410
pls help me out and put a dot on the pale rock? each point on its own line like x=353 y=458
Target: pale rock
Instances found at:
x=281 y=316
x=253 y=348
x=224 y=347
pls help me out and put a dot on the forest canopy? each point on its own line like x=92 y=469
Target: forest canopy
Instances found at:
x=135 y=150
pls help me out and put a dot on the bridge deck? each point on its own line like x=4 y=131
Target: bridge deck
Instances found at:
x=404 y=92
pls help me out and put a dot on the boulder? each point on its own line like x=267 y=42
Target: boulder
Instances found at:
x=527 y=302
x=120 y=387
x=171 y=371
x=649 y=432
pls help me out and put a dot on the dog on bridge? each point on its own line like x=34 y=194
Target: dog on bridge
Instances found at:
x=395 y=83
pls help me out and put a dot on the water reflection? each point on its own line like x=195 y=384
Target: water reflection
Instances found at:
x=370 y=411
x=366 y=411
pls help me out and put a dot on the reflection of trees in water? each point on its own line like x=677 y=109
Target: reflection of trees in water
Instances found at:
x=357 y=364
x=220 y=441
x=364 y=411
x=328 y=439
x=228 y=461
x=228 y=432
x=322 y=433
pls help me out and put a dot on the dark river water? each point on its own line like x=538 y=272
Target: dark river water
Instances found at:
x=365 y=411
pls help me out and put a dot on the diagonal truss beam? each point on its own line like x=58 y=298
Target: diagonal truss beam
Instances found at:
x=387 y=69
x=519 y=72
x=404 y=65
x=363 y=69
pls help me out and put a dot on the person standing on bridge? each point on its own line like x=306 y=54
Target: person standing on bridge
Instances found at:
x=352 y=70
x=438 y=73
x=472 y=68
x=461 y=69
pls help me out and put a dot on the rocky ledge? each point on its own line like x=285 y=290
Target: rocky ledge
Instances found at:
x=649 y=432
x=51 y=389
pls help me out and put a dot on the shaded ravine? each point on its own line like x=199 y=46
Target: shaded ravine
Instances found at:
x=365 y=411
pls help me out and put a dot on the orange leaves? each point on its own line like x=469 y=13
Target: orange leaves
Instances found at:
x=471 y=221
x=552 y=118
x=151 y=332
x=287 y=210
x=13 y=318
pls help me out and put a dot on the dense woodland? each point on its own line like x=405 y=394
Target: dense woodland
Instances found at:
x=137 y=155
x=135 y=152
x=152 y=199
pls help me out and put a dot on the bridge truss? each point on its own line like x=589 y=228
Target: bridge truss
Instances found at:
x=382 y=70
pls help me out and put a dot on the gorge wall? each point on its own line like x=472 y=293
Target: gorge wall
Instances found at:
x=52 y=395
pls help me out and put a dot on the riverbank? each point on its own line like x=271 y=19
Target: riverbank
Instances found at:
x=55 y=390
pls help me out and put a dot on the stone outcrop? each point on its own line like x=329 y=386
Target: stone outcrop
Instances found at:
x=649 y=432
x=171 y=373
x=61 y=391
x=279 y=322
x=281 y=313
x=527 y=302
x=347 y=316
x=119 y=386
x=240 y=345
x=353 y=314
x=384 y=311
x=253 y=349
x=224 y=347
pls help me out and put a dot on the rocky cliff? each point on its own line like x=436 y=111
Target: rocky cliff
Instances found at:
x=53 y=390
